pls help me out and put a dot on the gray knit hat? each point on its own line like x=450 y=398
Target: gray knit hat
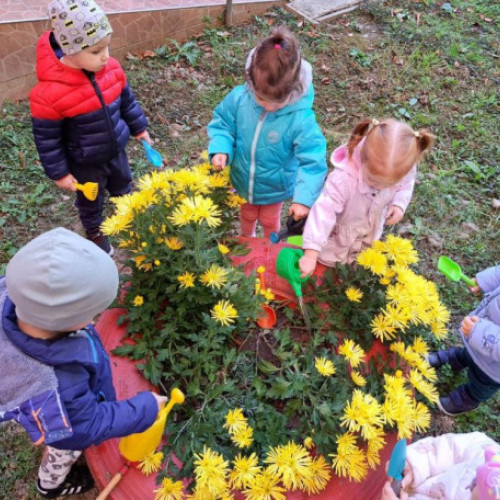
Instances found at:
x=59 y=280
x=78 y=24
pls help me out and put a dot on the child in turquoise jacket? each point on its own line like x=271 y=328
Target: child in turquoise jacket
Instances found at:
x=267 y=131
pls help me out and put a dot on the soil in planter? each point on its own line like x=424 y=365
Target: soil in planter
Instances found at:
x=262 y=341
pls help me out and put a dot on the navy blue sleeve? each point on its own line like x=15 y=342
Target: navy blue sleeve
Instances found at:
x=131 y=112
x=48 y=139
x=93 y=421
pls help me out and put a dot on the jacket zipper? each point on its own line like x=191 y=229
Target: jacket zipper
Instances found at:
x=251 y=180
x=91 y=76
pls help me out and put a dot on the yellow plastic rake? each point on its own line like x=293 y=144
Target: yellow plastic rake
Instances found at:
x=137 y=447
x=89 y=189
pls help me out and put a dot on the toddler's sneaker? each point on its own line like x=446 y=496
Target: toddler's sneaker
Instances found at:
x=79 y=480
x=457 y=402
x=101 y=240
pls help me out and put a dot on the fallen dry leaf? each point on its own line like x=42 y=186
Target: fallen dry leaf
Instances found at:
x=147 y=54
x=22 y=159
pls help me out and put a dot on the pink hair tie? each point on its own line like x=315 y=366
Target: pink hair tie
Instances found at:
x=277 y=46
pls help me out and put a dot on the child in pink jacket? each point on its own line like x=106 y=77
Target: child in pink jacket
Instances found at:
x=371 y=185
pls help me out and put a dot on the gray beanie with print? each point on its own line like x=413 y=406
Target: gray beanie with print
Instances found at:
x=59 y=280
x=78 y=24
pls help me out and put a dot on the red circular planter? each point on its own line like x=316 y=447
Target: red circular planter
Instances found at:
x=105 y=460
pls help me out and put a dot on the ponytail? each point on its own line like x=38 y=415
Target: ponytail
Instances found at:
x=424 y=141
x=274 y=70
x=361 y=130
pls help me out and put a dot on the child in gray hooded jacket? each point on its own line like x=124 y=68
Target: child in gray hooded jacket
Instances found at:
x=480 y=331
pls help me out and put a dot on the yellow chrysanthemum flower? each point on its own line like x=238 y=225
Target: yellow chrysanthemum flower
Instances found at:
x=115 y=224
x=169 y=490
x=244 y=470
x=265 y=486
x=358 y=379
x=140 y=262
x=352 y=352
x=291 y=463
x=424 y=387
x=324 y=366
x=363 y=414
x=215 y=276
x=375 y=444
x=191 y=180
x=182 y=215
x=375 y=261
x=420 y=346
x=346 y=443
x=224 y=312
x=223 y=249
x=353 y=464
x=354 y=294
x=235 y=420
x=400 y=250
x=321 y=474
x=211 y=471
x=206 y=210
x=173 y=243
x=151 y=463
x=186 y=280
x=243 y=437
x=234 y=200
x=309 y=443
x=382 y=328
x=218 y=180
x=138 y=300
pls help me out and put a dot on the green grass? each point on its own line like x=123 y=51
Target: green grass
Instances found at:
x=415 y=61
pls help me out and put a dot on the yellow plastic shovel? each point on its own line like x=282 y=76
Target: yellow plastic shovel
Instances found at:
x=137 y=447
x=89 y=189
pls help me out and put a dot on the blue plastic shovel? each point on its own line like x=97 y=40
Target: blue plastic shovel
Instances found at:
x=397 y=465
x=153 y=156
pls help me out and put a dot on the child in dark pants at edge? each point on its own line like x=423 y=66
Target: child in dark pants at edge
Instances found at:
x=480 y=354
x=83 y=110
x=267 y=131
x=55 y=374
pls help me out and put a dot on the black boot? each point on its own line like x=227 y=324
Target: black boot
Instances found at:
x=79 y=480
x=457 y=402
x=101 y=240
x=447 y=357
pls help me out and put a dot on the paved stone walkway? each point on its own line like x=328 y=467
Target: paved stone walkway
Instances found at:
x=320 y=10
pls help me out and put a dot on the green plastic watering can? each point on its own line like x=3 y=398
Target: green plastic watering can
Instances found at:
x=452 y=271
x=287 y=266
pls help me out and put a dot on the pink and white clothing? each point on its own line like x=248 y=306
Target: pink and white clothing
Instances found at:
x=445 y=467
x=349 y=215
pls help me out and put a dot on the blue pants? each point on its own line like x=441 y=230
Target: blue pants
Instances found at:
x=479 y=385
x=113 y=176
